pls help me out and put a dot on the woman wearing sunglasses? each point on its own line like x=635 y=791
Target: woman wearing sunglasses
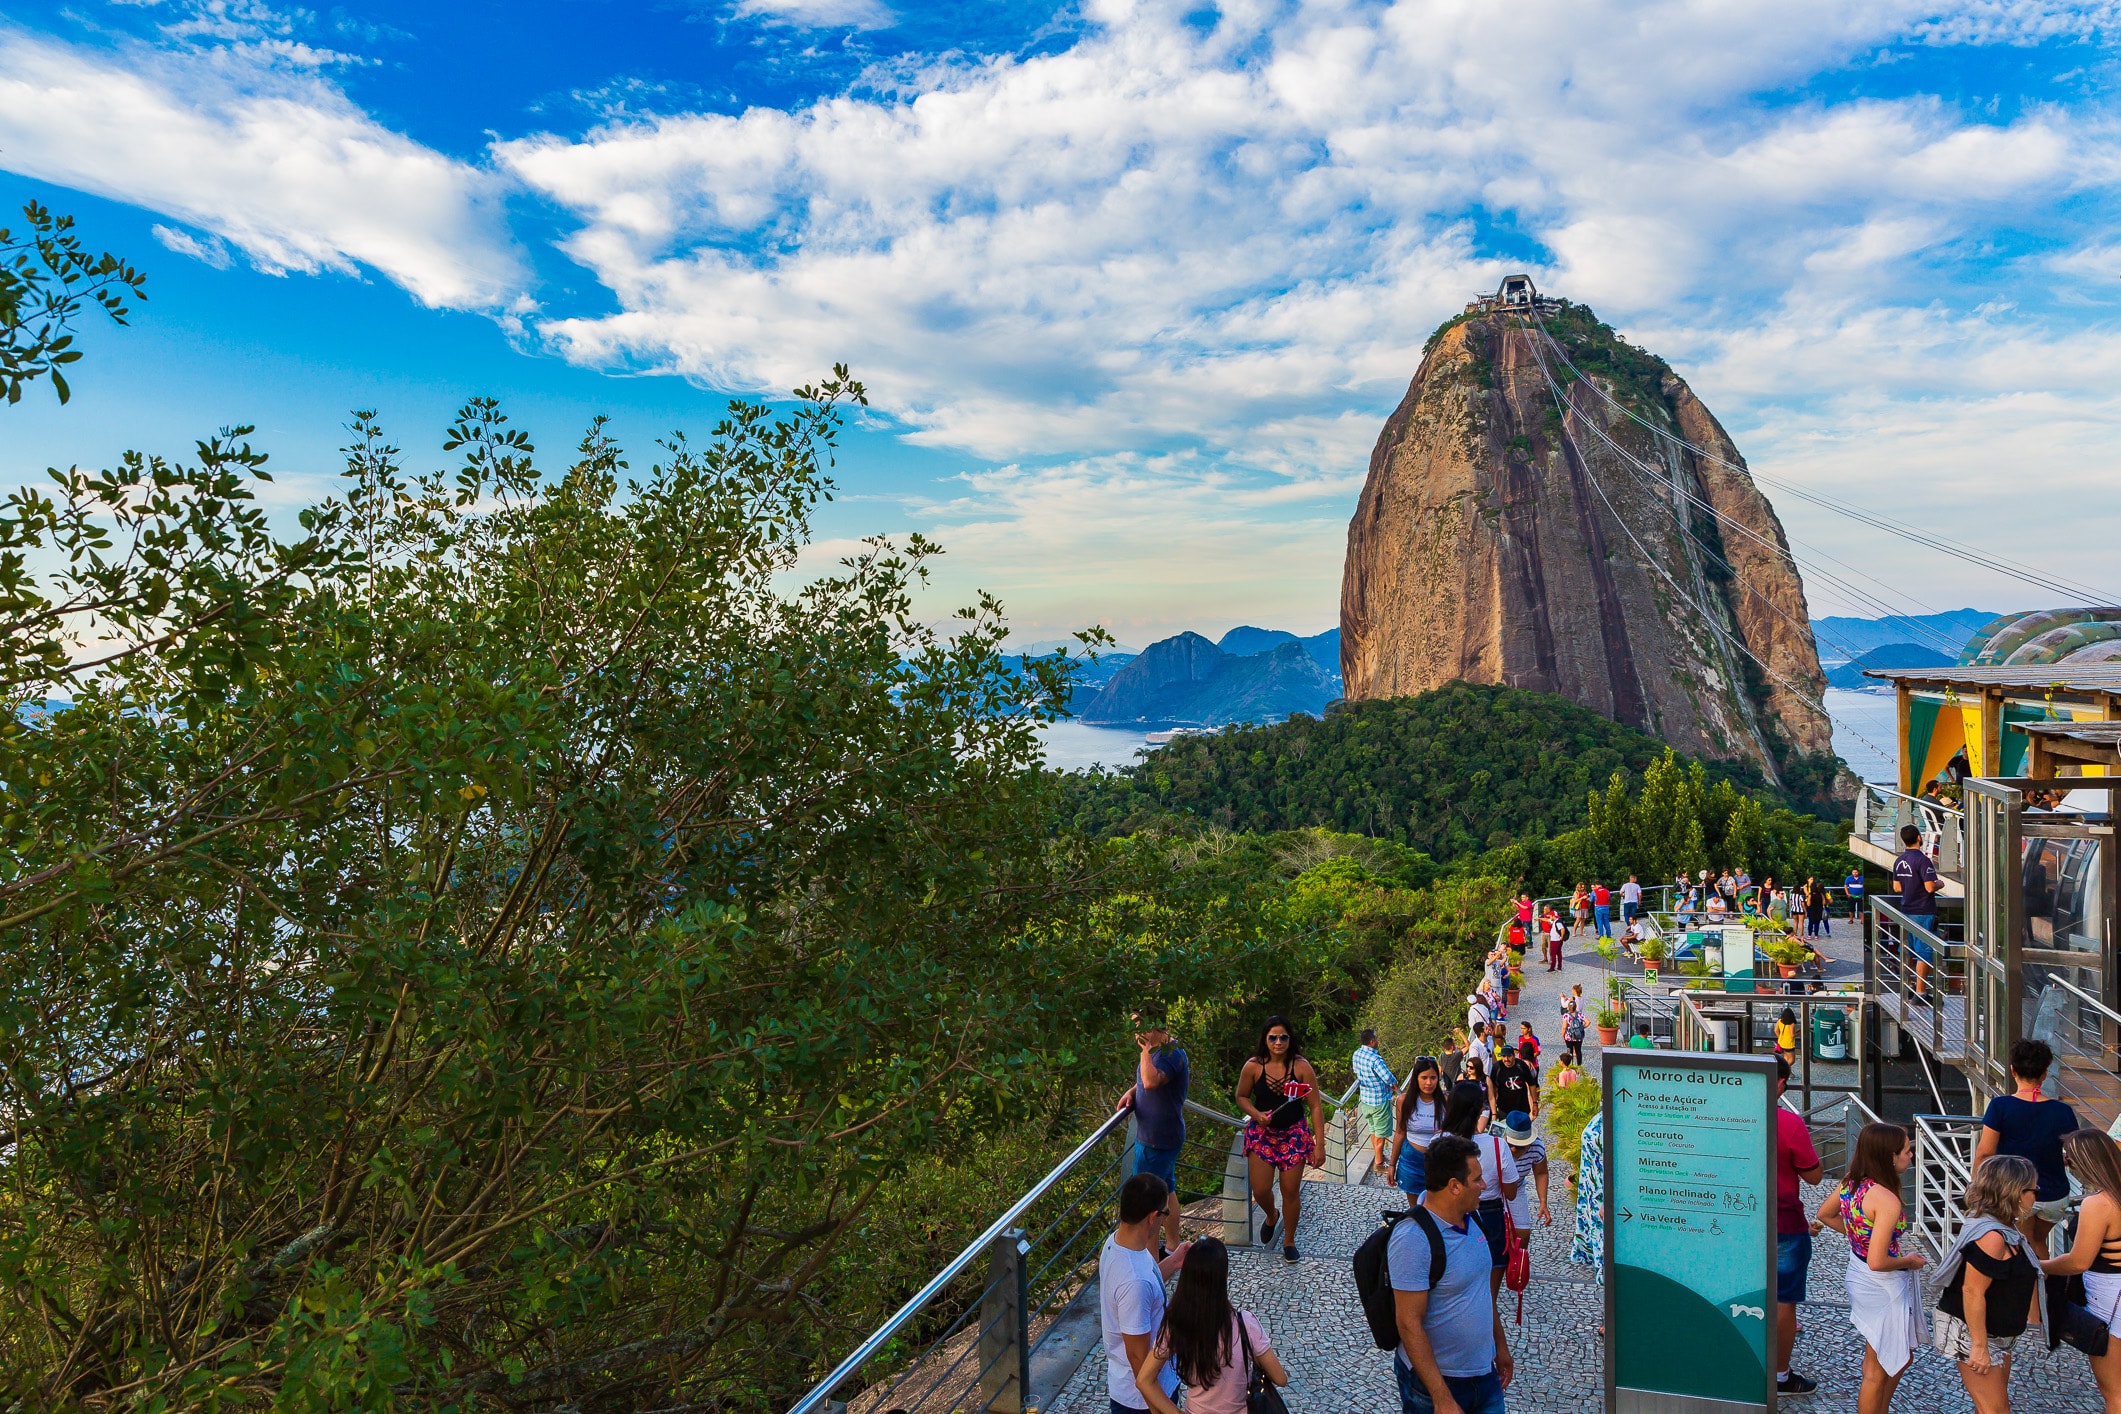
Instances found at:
x=1278 y=1091
x=1419 y=1119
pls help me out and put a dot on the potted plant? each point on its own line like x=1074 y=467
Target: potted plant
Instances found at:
x=1516 y=981
x=1787 y=953
x=1608 y=1026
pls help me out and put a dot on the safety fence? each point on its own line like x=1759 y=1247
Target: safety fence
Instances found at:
x=1944 y=1165
x=1004 y=1324
x=1881 y=811
x=2085 y=1034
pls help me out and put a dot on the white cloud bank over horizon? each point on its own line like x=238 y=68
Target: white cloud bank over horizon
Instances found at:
x=1170 y=278
x=260 y=154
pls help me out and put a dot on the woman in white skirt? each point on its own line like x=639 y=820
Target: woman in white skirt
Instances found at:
x=1885 y=1300
x=2096 y=1163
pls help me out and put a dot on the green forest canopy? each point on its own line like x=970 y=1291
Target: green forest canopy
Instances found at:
x=1451 y=772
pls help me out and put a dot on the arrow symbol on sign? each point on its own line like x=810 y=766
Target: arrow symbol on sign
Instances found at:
x=1626 y=1216
x=1623 y=1094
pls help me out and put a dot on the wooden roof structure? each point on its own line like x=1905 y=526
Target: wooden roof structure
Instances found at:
x=1991 y=697
x=2083 y=743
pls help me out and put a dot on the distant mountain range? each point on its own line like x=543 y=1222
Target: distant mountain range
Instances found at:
x=1251 y=675
x=1891 y=655
x=1841 y=640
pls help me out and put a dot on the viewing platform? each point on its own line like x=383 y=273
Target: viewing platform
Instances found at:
x=1314 y=1318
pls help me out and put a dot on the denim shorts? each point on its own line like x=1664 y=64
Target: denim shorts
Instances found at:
x=1161 y=1162
x=1413 y=1171
x=1793 y=1261
x=1476 y=1394
x=1917 y=944
x=1492 y=1223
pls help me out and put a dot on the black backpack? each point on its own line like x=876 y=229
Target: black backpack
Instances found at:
x=1373 y=1277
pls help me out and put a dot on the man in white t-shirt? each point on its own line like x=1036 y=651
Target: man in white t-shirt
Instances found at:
x=1630 y=899
x=1130 y=1295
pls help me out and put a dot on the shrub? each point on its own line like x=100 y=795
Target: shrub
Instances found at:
x=1568 y=1109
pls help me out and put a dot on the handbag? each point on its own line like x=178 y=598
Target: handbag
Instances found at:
x=1516 y=1257
x=2070 y=1320
x=1261 y=1395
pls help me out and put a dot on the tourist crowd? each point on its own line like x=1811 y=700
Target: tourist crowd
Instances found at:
x=1458 y=1135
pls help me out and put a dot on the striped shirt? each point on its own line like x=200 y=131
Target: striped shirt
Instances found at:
x=1375 y=1076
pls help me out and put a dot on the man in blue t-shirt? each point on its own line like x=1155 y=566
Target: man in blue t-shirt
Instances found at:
x=2030 y=1125
x=1159 y=1100
x=1453 y=1357
x=1853 y=887
x=1916 y=878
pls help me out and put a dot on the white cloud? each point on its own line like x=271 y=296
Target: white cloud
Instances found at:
x=211 y=251
x=1174 y=274
x=276 y=163
x=1233 y=240
x=820 y=14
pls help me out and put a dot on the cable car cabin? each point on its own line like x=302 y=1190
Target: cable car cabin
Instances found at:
x=1516 y=292
x=2009 y=775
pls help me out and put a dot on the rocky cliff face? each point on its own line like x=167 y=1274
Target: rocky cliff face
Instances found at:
x=1510 y=535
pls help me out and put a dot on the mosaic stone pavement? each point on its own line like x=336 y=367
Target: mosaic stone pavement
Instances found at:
x=1311 y=1312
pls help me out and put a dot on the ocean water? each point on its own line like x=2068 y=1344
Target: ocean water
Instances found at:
x=1864 y=723
x=1076 y=746
x=1863 y=735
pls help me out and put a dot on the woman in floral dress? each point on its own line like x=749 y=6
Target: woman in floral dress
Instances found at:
x=1588 y=1247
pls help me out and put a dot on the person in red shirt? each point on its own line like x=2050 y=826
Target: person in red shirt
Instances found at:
x=1796 y=1161
x=1524 y=910
x=1602 y=909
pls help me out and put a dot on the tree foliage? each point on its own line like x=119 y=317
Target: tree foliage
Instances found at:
x=1450 y=772
x=1680 y=820
x=46 y=278
x=496 y=946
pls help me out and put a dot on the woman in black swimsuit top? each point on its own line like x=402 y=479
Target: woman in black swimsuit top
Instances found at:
x=1278 y=1091
x=2095 y=1162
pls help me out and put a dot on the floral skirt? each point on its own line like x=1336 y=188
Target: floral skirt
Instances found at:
x=1288 y=1148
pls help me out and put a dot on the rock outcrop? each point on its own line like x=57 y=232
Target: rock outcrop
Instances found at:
x=1188 y=681
x=1530 y=533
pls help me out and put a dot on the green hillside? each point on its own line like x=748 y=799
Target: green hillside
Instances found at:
x=1451 y=772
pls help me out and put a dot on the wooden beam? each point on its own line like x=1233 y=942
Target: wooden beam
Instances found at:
x=1903 y=707
x=1992 y=731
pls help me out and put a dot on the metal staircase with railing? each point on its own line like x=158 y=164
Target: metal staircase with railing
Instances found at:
x=1002 y=1327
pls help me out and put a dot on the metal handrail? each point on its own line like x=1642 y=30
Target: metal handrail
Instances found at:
x=956 y=1266
x=1943 y=824
x=2057 y=980
x=1935 y=1214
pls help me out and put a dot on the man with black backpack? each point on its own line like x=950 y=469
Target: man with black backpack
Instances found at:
x=1430 y=1295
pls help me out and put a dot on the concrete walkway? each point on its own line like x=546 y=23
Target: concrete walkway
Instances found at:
x=1312 y=1314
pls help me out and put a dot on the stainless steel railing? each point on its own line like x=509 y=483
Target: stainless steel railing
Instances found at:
x=1881 y=811
x=1944 y=1165
x=1036 y=1269
x=1001 y=1238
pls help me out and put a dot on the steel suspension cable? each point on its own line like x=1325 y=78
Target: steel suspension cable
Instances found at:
x=1994 y=563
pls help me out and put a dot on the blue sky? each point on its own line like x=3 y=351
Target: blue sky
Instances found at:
x=1133 y=284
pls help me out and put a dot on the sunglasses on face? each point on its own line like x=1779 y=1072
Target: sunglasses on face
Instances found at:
x=1277 y=1040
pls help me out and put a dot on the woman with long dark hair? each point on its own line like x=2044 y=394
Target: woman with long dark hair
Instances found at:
x=1463 y=1114
x=1418 y=1119
x=1278 y=1091
x=1206 y=1340
x=1885 y=1302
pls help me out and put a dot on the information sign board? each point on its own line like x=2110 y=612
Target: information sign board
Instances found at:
x=1690 y=1232
x=1738 y=959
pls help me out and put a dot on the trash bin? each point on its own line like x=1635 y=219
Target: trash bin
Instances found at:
x=1830 y=1033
